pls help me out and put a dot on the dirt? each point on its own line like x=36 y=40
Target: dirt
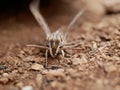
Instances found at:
x=94 y=65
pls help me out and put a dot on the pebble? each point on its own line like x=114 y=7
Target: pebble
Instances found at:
x=110 y=68
x=53 y=84
x=13 y=74
x=13 y=87
x=19 y=84
x=26 y=65
x=99 y=83
x=27 y=88
x=71 y=71
x=20 y=70
x=4 y=80
x=37 y=67
x=39 y=79
x=29 y=58
x=5 y=75
x=58 y=72
x=78 y=61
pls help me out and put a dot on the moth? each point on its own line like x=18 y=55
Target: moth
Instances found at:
x=56 y=41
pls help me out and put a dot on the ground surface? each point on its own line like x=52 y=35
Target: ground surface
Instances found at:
x=94 y=66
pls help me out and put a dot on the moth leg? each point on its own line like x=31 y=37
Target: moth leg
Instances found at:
x=66 y=60
x=66 y=52
x=72 y=46
x=46 y=57
x=63 y=53
x=72 y=42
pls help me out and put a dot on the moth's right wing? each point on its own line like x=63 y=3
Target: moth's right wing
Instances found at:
x=34 y=8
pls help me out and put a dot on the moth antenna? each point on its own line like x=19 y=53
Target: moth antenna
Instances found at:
x=73 y=22
x=34 y=8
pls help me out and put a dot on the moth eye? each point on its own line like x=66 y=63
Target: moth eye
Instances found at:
x=60 y=46
x=60 y=38
x=50 y=37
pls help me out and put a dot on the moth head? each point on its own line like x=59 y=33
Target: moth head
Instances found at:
x=55 y=42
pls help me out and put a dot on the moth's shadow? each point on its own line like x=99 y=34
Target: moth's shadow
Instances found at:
x=58 y=62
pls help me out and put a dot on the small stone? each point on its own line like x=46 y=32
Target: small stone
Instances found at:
x=39 y=80
x=15 y=71
x=13 y=74
x=117 y=87
x=22 y=52
x=36 y=67
x=53 y=84
x=19 y=84
x=99 y=83
x=110 y=68
x=71 y=71
x=20 y=70
x=5 y=75
x=26 y=65
x=78 y=61
x=58 y=72
x=13 y=87
x=27 y=88
x=94 y=45
x=29 y=58
x=4 y=80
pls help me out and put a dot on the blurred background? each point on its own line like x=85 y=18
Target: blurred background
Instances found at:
x=95 y=7
x=16 y=20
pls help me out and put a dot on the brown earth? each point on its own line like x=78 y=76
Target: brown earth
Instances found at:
x=95 y=65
